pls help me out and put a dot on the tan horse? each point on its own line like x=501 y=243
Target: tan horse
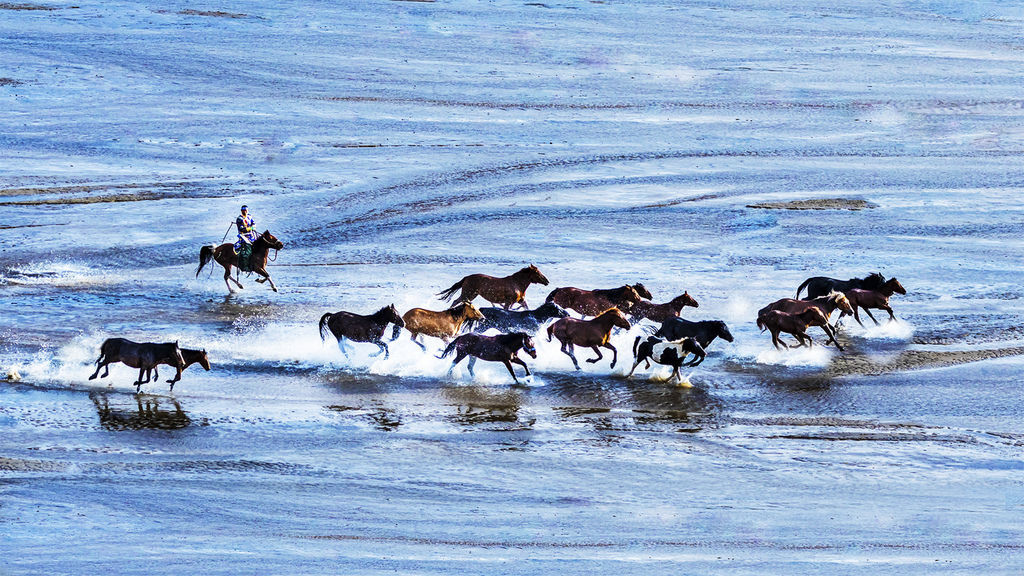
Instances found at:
x=444 y=324
x=226 y=257
x=588 y=333
x=505 y=292
x=776 y=321
x=826 y=304
x=877 y=299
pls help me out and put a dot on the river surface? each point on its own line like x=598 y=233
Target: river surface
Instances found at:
x=395 y=147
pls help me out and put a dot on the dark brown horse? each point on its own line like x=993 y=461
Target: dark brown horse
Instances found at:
x=360 y=328
x=226 y=257
x=822 y=285
x=144 y=356
x=190 y=357
x=661 y=312
x=502 y=348
x=504 y=292
x=776 y=321
x=444 y=324
x=616 y=294
x=594 y=302
x=878 y=299
x=589 y=333
x=827 y=304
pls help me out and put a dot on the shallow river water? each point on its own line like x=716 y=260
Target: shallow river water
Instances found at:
x=395 y=147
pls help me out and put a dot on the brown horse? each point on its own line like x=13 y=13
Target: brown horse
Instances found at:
x=505 y=291
x=776 y=321
x=444 y=324
x=502 y=348
x=190 y=357
x=827 y=304
x=590 y=333
x=144 y=356
x=661 y=312
x=878 y=299
x=226 y=257
x=360 y=328
x=594 y=302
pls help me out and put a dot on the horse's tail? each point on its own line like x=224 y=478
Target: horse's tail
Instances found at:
x=551 y=332
x=323 y=326
x=449 y=348
x=802 y=286
x=635 y=344
x=205 y=255
x=447 y=294
x=761 y=324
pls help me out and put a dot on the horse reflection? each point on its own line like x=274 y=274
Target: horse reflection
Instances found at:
x=150 y=412
x=476 y=405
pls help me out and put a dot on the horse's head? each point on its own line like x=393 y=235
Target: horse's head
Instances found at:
x=195 y=356
x=390 y=314
x=642 y=291
x=616 y=317
x=629 y=297
x=271 y=240
x=534 y=276
x=550 y=310
x=723 y=331
x=528 y=346
x=894 y=285
x=840 y=301
x=468 y=311
x=685 y=300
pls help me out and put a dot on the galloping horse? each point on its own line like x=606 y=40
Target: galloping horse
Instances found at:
x=360 y=328
x=226 y=257
x=144 y=356
x=594 y=302
x=505 y=291
x=444 y=324
x=526 y=321
x=827 y=304
x=661 y=312
x=822 y=285
x=502 y=348
x=672 y=354
x=776 y=321
x=877 y=298
x=704 y=331
x=189 y=356
x=590 y=333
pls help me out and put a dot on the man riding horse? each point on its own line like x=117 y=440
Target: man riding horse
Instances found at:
x=246 y=230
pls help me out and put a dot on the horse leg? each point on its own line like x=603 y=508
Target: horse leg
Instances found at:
x=519 y=361
x=832 y=337
x=615 y=353
x=776 y=341
x=383 y=347
x=458 y=358
x=889 y=310
x=697 y=359
x=599 y=356
x=177 y=376
x=227 y=277
x=567 y=349
x=856 y=316
x=870 y=315
x=510 y=370
x=633 y=369
x=99 y=364
x=265 y=278
x=470 y=364
x=417 y=342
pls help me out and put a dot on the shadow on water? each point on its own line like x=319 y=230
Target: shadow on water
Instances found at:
x=476 y=405
x=148 y=412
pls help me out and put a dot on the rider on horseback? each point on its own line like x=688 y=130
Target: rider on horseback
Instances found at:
x=246 y=229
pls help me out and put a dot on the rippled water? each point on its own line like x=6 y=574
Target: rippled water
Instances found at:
x=395 y=147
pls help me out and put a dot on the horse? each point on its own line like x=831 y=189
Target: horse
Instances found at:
x=704 y=331
x=878 y=299
x=444 y=324
x=822 y=285
x=661 y=312
x=190 y=357
x=505 y=291
x=226 y=257
x=590 y=333
x=827 y=304
x=525 y=321
x=594 y=302
x=502 y=348
x=144 y=356
x=776 y=321
x=360 y=328
x=672 y=354
x=616 y=294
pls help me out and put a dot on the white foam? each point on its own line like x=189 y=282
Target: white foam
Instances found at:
x=816 y=356
x=887 y=330
x=54 y=273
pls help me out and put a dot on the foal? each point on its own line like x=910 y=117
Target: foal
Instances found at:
x=502 y=348
x=776 y=321
x=590 y=333
x=878 y=299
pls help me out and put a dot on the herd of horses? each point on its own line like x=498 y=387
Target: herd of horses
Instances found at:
x=462 y=327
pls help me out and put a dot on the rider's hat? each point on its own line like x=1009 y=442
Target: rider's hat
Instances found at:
x=244 y=207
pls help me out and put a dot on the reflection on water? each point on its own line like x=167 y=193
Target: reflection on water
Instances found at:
x=148 y=412
x=478 y=405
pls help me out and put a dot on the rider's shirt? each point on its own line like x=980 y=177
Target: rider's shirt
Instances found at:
x=246 y=228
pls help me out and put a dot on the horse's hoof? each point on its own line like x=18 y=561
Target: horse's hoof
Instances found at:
x=93 y=377
x=275 y=289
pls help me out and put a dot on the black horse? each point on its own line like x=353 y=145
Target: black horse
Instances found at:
x=359 y=328
x=703 y=332
x=502 y=348
x=520 y=321
x=822 y=285
x=145 y=356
